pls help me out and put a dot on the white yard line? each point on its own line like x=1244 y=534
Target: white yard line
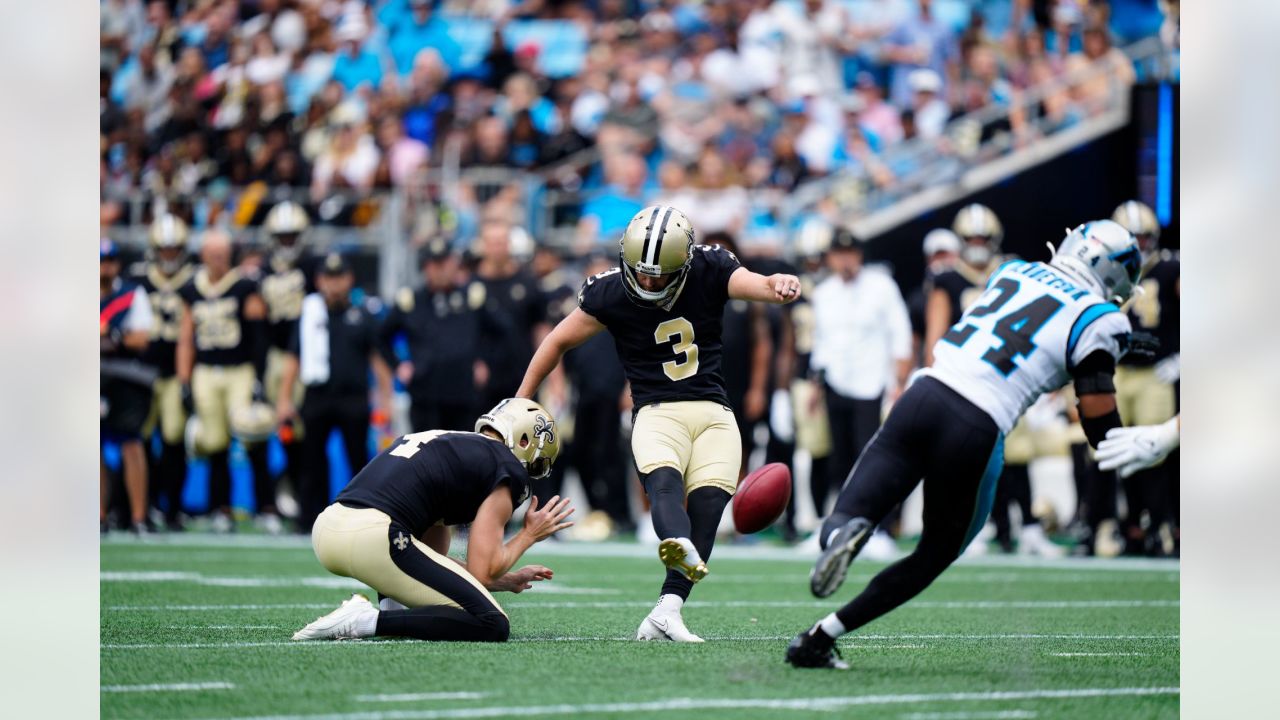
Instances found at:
x=1099 y=654
x=419 y=697
x=978 y=715
x=689 y=704
x=853 y=642
x=320 y=581
x=606 y=604
x=724 y=551
x=168 y=687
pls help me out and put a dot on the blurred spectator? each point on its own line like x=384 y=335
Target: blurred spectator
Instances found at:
x=813 y=38
x=1097 y=91
x=721 y=204
x=349 y=161
x=402 y=155
x=356 y=65
x=922 y=41
x=607 y=213
x=875 y=114
x=929 y=110
x=420 y=29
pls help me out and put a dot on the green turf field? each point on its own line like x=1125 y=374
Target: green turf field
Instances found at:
x=198 y=627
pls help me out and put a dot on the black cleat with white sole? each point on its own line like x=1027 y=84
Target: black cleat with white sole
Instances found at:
x=842 y=547
x=815 y=649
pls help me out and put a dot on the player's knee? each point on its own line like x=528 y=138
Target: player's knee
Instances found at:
x=664 y=480
x=497 y=628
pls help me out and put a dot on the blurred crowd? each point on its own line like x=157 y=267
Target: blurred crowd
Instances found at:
x=217 y=109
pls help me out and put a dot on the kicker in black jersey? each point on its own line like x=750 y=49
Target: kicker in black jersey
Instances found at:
x=675 y=354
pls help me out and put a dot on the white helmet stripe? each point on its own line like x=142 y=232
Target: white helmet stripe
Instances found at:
x=648 y=233
x=662 y=231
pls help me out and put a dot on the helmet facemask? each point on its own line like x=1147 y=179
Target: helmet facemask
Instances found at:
x=657 y=243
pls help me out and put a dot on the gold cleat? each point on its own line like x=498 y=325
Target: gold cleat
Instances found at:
x=675 y=553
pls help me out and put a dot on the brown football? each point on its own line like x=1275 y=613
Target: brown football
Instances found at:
x=761 y=498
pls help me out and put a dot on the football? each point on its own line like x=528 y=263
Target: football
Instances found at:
x=761 y=498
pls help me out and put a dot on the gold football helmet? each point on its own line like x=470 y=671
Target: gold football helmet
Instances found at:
x=285 y=224
x=528 y=430
x=655 y=253
x=168 y=233
x=981 y=231
x=1138 y=218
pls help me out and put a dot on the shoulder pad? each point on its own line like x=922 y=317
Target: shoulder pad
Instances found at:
x=404 y=300
x=475 y=295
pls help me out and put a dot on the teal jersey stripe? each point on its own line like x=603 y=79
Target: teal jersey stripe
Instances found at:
x=1087 y=318
x=1010 y=263
x=986 y=492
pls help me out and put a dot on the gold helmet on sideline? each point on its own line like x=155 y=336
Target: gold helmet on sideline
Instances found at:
x=977 y=222
x=1138 y=218
x=658 y=243
x=168 y=232
x=285 y=225
x=253 y=423
x=528 y=430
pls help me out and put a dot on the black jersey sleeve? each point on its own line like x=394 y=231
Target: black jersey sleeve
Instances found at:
x=593 y=298
x=721 y=264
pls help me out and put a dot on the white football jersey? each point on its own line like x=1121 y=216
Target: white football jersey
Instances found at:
x=1022 y=337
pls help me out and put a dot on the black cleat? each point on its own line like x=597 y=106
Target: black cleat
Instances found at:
x=842 y=547
x=814 y=649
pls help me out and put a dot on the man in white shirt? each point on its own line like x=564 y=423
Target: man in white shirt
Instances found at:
x=861 y=351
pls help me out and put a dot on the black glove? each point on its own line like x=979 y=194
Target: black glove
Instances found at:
x=111 y=341
x=1140 y=346
x=188 y=400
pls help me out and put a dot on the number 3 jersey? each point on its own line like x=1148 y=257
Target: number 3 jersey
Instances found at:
x=436 y=477
x=669 y=354
x=1023 y=337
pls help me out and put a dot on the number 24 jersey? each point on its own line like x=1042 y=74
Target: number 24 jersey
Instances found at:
x=669 y=355
x=1023 y=337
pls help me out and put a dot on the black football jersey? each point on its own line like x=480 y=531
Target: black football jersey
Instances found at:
x=166 y=313
x=964 y=285
x=516 y=305
x=674 y=354
x=283 y=291
x=445 y=333
x=436 y=477
x=217 y=310
x=1156 y=309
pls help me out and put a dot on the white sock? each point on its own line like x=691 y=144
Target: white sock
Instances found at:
x=670 y=603
x=832 y=626
x=367 y=623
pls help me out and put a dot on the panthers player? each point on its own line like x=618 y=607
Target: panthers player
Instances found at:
x=664 y=306
x=287 y=278
x=1037 y=326
x=1146 y=387
x=389 y=529
x=168 y=269
x=220 y=357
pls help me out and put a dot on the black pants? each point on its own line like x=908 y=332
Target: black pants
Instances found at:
x=1014 y=487
x=936 y=434
x=477 y=619
x=852 y=422
x=431 y=415
x=600 y=458
x=321 y=415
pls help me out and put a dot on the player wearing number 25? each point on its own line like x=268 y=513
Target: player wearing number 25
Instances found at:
x=1037 y=327
x=664 y=306
x=389 y=529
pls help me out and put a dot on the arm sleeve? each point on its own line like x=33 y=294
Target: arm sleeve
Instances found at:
x=1108 y=333
x=591 y=297
x=722 y=264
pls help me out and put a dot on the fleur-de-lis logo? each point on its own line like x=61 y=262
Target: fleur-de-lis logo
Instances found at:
x=544 y=429
x=401 y=541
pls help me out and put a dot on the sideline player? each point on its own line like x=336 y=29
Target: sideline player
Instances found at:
x=1036 y=327
x=389 y=529
x=664 y=305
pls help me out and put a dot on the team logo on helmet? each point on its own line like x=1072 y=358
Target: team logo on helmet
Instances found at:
x=544 y=429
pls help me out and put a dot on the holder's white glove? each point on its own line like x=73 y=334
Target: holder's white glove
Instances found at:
x=1169 y=369
x=1128 y=450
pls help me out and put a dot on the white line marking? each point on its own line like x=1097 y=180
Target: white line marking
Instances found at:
x=853 y=641
x=1098 y=654
x=201 y=608
x=418 y=697
x=227 y=627
x=979 y=715
x=727 y=552
x=605 y=604
x=819 y=704
x=169 y=687
x=321 y=581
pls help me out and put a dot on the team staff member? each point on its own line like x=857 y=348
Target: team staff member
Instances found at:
x=441 y=323
x=168 y=269
x=390 y=530
x=513 y=299
x=222 y=349
x=124 y=328
x=286 y=280
x=861 y=350
x=334 y=346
